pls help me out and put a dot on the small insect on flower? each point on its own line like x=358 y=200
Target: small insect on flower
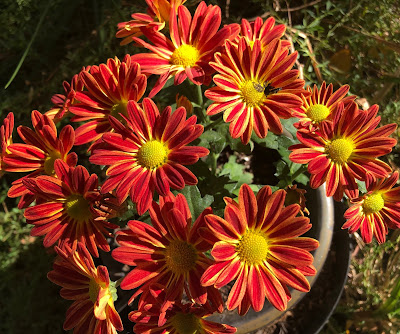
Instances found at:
x=267 y=89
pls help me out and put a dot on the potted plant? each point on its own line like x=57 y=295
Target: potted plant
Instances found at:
x=173 y=181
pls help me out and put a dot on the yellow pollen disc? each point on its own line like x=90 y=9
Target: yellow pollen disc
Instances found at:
x=78 y=207
x=373 y=203
x=49 y=162
x=93 y=290
x=339 y=150
x=119 y=108
x=251 y=43
x=186 y=56
x=185 y=323
x=180 y=257
x=252 y=93
x=252 y=248
x=152 y=154
x=318 y=112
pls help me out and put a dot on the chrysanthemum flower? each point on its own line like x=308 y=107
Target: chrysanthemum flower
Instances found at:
x=194 y=42
x=63 y=102
x=90 y=288
x=255 y=88
x=264 y=32
x=178 y=318
x=148 y=154
x=375 y=211
x=258 y=245
x=158 y=14
x=41 y=149
x=170 y=253
x=183 y=101
x=68 y=209
x=320 y=105
x=109 y=88
x=344 y=150
x=295 y=195
x=6 y=131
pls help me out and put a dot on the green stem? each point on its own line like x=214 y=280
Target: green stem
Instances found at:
x=199 y=101
x=199 y=95
x=213 y=124
x=300 y=171
x=214 y=158
x=29 y=45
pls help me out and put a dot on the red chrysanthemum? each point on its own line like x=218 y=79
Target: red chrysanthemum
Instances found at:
x=194 y=42
x=6 y=131
x=170 y=253
x=109 y=88
x=295 y=195
x=69 y=209
x=255 y=88
x=63 y=102
x=158 y=9
x=148 y=154
x=178 y=318
x=320 y=105
x=41 y=149
x=375 y=211
x=344 y=150
x=183 y=101
x=258 y=245
x=264 y=32
x=90 y=288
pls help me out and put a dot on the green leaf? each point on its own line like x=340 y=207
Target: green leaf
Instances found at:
x=196 y=203
x=237 y=175
x=361 y=186
x=237 y=145
x=270 y=141
x=212 y=140
x=288 y=125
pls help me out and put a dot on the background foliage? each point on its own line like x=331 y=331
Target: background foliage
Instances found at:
x=353 y=42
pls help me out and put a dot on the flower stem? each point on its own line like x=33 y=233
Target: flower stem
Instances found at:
x=198 y=100
x=213 y=124
x=199 y=95
x=300 y=171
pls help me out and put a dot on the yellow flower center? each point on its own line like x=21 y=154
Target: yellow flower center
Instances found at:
x=252 y=248
x=339 y=150
x=373 y=203
x=186 y=56
x=252 y=93
x=185 y=323
x=318 y=112
x=180 y=257
x=152 y=154
x=119 y=108
x=78 y=207
x=93 y=290
x=49 y=162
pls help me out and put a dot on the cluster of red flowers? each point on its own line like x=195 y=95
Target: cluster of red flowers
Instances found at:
x=258 y=243
x=342 y=144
